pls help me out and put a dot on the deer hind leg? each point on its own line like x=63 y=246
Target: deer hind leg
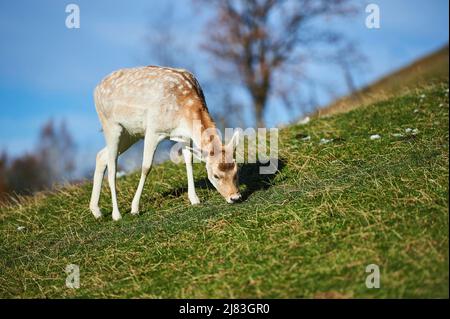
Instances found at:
x=151 y=141
x=117 y=142
x=193 y=198
x=100 y=166
x=112 y=137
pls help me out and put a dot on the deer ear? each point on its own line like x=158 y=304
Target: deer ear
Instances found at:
x=196 y=153
x=234 y=140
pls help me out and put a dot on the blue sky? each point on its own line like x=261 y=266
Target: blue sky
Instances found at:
x=49 y=71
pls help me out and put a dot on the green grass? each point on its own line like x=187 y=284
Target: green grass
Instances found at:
x=308 y=231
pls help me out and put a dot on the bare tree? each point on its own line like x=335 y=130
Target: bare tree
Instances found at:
x=166 y=46
x=265 y=40
x=53 y=161
x=348 y=58
x=26 y=175
x=56 y=152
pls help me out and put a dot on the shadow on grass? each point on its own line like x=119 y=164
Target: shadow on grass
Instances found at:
x=249 y=175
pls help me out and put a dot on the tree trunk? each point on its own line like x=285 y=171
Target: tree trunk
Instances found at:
x=259 y=113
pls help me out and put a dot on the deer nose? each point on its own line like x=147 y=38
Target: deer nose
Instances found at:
x=234 y=198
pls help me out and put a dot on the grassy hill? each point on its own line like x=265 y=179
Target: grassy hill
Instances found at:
x=432 y=68
x=308 y=231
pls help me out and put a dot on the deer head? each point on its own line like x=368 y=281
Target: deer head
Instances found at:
x=222 y=168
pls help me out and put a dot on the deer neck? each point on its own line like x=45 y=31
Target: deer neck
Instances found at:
x=204 y=132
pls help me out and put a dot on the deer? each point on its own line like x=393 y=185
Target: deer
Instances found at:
x=156 y=103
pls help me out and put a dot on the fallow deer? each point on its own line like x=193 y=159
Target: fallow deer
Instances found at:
x=157 y=103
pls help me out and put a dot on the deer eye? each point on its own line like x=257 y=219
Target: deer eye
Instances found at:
x=216 y=176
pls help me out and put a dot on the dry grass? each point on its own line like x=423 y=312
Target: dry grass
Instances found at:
x=430 y=69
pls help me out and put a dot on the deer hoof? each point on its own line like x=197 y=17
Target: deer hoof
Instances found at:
x=116 y=216
x=194 y=200
x=96 y=212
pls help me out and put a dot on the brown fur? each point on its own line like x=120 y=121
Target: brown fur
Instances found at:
x=226 y=166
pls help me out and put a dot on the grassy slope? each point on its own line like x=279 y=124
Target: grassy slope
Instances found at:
x=429 y=69
x=308 y=231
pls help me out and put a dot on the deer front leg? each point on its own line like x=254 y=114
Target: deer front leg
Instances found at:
x=190 y=176
x=151 y=141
